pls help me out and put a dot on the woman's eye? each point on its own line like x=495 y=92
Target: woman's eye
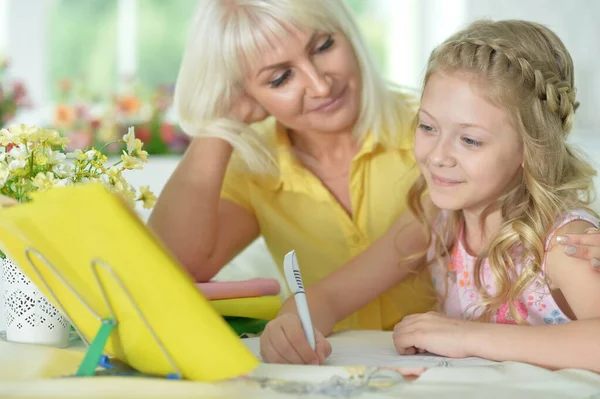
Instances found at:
x=470 y=142
x=426 y=128
x=280 y=80
x=328 y=43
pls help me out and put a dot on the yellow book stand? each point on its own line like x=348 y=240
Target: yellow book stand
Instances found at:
x=123 y=292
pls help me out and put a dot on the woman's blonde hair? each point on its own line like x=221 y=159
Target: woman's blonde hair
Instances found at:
x=524 y=68
x=228 y=34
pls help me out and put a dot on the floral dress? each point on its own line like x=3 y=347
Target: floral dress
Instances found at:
x=455 y=284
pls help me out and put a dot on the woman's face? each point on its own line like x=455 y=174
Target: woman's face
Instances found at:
x=309 y=81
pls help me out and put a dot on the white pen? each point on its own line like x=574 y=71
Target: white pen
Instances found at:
x=294 y=280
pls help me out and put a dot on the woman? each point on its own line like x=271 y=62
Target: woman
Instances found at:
x=318 y=136
x=322 y=159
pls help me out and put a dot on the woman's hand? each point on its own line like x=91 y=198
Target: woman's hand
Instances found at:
x=584 y=246
x=283 y=341
x=435 y=333
x=246 y=109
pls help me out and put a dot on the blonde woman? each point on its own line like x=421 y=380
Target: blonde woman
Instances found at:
x=491 y=144
x=299 y=141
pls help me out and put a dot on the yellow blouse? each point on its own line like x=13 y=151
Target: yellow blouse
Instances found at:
x=296 y=211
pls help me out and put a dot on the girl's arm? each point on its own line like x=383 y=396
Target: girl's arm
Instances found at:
x=574 y=344
x=570 y=345
x=368 y=275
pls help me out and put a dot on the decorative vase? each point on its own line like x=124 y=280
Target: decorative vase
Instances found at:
x=29 y=316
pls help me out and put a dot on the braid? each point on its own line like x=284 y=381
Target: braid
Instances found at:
x=525 y=69
x=551 y=90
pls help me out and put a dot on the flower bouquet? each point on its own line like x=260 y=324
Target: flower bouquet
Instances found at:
x=34 y=159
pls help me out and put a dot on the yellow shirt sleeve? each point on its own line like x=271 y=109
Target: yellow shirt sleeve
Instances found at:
x=236 y=189
x=236 y=184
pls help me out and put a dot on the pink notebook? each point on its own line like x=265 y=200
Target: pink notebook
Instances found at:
x=214 y=290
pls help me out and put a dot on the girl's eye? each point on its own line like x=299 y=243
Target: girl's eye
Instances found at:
x=328 y=43
x=280 y=80
x=471 y=143
x=426 y=128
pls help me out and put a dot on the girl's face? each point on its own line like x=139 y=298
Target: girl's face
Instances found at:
x=309 y=81
x=466 y=147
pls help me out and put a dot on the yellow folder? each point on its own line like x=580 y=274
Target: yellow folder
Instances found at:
x=71 y=226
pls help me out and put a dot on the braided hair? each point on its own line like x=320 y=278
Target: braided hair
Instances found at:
x=525 y=69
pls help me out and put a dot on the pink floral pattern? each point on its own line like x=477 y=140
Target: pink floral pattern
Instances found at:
x=455 y=284
x=504 y=317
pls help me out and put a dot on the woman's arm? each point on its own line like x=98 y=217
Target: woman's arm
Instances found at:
x=584 y=245
x=203 y=231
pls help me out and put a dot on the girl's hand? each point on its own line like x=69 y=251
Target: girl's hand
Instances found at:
x=433 y=332
x=283 y=341
x=584 y=246
x=246 y=109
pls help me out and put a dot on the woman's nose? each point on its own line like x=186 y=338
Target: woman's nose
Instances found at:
x=319 y=83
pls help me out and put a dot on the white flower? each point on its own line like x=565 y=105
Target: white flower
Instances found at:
x=8 y=136
x=130 y=162
x=18 y=153
x=4 y=173
x=129 y=139
x=77 y=154
x=90 y=154
x=63 y=170
x=55 y=157
x=44 y=181
x=147 y=197
x=64 y=183
x=16 y=164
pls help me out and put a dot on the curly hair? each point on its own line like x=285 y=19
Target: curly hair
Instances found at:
x=527 y=71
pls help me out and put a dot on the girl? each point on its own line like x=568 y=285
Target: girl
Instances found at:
x=491 y=145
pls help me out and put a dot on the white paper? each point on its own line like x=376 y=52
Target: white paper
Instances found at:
x=376 y=348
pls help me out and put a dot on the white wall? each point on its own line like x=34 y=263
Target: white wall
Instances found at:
x=576 y=23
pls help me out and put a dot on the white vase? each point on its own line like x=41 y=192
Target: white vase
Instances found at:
x=29 y=316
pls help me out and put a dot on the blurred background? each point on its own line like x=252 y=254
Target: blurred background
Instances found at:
x=90 y=68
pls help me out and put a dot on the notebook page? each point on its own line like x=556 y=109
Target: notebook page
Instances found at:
x=376 y=348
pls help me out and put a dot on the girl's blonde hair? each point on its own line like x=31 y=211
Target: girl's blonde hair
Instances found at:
x=525 y=69
x=227 y=35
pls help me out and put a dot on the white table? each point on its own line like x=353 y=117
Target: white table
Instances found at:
x=25 y=371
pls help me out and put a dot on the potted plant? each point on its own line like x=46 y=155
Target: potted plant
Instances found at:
x=34 y=159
